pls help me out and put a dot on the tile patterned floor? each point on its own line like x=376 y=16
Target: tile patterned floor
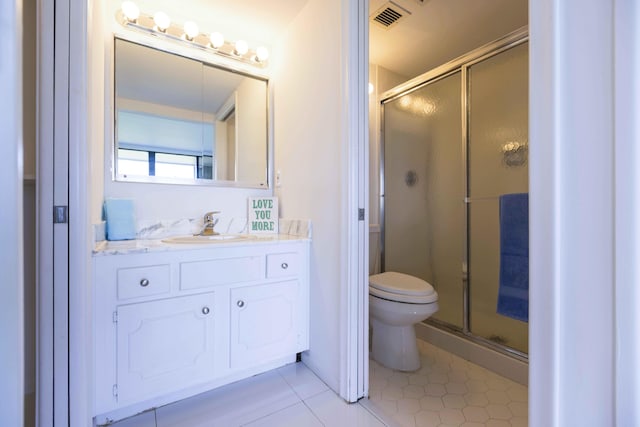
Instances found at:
x=291 y=396
x=447 y=391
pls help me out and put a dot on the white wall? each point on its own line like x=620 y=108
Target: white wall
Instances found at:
x=573 y=354
x=11 y=175
x=310 y=155
x=627 y=130
x=165 y=202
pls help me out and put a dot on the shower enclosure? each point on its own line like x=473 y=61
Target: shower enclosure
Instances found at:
x=455 y=140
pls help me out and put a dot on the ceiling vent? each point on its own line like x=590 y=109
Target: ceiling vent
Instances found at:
x=389 y=14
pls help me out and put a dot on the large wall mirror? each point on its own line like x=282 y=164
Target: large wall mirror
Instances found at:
x=180 y=120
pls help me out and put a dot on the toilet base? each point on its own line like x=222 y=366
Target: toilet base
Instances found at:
x=395 y=347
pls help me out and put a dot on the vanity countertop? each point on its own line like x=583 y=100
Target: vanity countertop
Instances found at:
x=106 y=247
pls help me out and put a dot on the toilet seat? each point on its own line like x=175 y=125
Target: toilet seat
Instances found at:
x=401 y=287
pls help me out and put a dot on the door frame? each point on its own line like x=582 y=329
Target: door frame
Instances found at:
x=12 y=329
x=51 y=387
x=584 y=210
x=64 y=340
x=354 y=376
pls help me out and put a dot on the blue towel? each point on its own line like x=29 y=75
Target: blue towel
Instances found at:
x=513 y=294
x=120 y=217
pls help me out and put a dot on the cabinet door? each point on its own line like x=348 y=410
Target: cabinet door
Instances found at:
x=263 y=323
x=164 y=345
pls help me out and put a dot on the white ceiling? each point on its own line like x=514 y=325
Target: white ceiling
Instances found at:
x=435 y=32
x=438 y=31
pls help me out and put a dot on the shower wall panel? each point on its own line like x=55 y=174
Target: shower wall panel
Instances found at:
x=424 y=190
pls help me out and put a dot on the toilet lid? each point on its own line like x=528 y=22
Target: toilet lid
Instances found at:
x=401 y=287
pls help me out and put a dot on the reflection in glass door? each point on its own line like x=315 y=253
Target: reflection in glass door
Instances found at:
x=497 y=165
x=424 y=225
x=453 y=147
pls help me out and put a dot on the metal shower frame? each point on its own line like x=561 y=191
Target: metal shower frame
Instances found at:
x=459 y=65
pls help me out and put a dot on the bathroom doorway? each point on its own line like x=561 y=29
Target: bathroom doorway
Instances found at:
x=454 y=143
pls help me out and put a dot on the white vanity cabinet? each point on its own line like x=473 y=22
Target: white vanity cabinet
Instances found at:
x=263 y=322
x=171 y=322
x=163 y=343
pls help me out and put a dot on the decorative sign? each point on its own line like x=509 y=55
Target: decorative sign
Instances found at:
x=263 y=215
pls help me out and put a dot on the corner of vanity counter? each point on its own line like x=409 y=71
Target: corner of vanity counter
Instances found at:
x=122 y=247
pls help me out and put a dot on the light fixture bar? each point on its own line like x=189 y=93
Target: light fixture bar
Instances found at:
x=238 y=50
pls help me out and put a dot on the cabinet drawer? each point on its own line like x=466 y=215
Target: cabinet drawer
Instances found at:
x=283 y=265
x=143 y=281
x=203 y=274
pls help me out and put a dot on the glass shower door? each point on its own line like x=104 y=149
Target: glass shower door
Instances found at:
x=423 y=202
x=497 y=165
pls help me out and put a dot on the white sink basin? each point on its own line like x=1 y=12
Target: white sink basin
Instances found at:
x=218 y=238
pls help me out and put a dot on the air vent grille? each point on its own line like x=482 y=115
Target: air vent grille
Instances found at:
x=388 y=17
x=389 y=14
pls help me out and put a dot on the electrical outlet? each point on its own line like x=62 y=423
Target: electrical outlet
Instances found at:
x=278 y=179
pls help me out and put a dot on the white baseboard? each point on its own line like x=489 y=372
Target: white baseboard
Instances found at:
x=486 y=357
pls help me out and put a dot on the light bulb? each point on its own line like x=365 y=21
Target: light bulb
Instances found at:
x=217 y=40
x=191 y=30
x=162 y=21
x=370 y=88
x=262 y=54
x=130 y=11
x=241 y=48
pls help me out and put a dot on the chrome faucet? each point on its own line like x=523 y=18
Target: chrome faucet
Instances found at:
x=209 y=222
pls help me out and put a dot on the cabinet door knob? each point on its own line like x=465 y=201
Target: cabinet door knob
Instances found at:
x=205 y=310
x=284 y=265
x=240 y=303
x=144 y=282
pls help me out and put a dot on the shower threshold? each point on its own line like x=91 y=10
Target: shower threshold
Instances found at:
x=498 y=358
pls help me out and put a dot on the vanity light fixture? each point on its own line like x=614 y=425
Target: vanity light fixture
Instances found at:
x=262 y=54
x=241 y=48
x=130 y=11
x=191 y=30
x=162 y=22
x=216 y=40
x=160 y=25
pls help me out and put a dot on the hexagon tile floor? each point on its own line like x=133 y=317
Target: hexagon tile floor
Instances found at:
x=447 y=391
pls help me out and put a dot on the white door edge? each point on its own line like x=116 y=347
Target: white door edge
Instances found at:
x=11 y=252
x=354 y=375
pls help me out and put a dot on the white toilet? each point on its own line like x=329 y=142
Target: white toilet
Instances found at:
x=397 y=302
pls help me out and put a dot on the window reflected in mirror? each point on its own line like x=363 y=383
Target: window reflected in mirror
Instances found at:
x=179 y=120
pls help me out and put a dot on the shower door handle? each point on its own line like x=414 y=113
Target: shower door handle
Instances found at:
x=479 y=199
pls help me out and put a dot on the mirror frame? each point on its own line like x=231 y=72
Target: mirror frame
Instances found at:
x=194 y=53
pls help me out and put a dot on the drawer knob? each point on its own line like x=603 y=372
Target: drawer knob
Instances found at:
x=284 y=265
x=205 y=310
x=240 y=303
x=144 y=283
